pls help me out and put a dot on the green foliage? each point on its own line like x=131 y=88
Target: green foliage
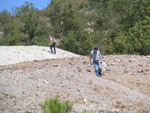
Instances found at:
x=54 y=106
x=13 y=36
x=54 y=13
x=77 y=42
x=28 y=16
x=132 y=36
x=139 y=38
x=28 y=112
x=41 y=40
x=114 y=26
x=25 y=27
x=5 y=17
x=73 y=34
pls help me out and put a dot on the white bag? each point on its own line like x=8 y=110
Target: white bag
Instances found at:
x=104 y=65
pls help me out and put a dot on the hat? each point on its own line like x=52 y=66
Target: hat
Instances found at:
x=95 y=48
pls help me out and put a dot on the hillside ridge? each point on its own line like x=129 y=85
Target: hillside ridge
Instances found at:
x=18 y=54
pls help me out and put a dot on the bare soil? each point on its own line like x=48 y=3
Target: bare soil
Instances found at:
x=123 y=88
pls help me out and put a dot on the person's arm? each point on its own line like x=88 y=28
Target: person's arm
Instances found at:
x=90 y=60
x=100 y=56
x=101 y=59
x=51 y=41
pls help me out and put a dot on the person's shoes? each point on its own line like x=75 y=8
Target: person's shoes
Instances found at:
x=99 y=76
x=102 y=74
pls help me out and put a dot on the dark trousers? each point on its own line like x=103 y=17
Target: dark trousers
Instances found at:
x=53 y=46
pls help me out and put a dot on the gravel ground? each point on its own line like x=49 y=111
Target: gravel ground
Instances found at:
x=131 y=71
x=123 y=88
x=24 y=86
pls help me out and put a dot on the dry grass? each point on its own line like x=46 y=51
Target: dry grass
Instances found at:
x=115 y=97
x=5 y=94
x=97 y=88
x=1 y=98
x=15 y=102
x=119 y=104
x=105 y=111
x=108 y=88
x=77 y=80
x=92 y=101
x=122 y=106
x=90 y=82
x=79 y=100
x=143 y=111
x=107 y=94
x=140 y=103
x=125 y=93
x=58 y=95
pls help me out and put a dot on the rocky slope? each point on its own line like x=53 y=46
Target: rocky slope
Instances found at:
x=131 y=71
x=124 y=86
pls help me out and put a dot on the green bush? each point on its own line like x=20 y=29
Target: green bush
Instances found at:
x=54 y=106
x=41 y=40
x=28 y=112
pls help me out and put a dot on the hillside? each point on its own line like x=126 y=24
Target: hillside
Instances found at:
x=17 y=54
x=124 y=86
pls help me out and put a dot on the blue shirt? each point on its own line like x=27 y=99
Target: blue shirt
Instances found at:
x=95 y=56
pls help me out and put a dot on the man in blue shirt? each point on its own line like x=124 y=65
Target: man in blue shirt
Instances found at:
x=96 y=56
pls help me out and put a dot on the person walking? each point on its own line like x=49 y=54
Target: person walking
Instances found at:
x=52 y=44
x=96 y=56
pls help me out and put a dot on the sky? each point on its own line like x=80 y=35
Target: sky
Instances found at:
x=9 y=4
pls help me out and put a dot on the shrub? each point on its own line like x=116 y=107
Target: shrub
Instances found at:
x=54 y=106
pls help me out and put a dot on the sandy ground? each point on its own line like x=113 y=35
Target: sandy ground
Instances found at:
x=18 y=54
